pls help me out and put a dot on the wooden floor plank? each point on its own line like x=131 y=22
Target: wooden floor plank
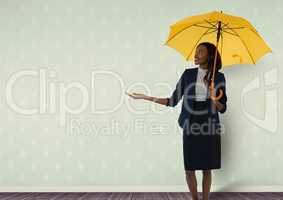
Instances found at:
x=93 y=196
x=57 y=196
x=138 y=196
x=5 y=195
x=114 y=196
x=277 y=195
x=36 y=196
x=155 y=196
x=71 y=195
x=179 y=196
x=104 y=196
x=126 y=196
x=19 y=196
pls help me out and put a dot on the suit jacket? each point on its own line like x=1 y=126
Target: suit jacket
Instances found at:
x=185 y=88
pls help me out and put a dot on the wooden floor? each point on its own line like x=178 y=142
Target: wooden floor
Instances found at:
x=137 y=196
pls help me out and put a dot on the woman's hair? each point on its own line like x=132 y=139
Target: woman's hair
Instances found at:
x=210 y=60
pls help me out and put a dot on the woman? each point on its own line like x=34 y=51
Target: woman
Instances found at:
x=199 y=116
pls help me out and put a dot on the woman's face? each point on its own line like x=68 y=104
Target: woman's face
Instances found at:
x=201 y=55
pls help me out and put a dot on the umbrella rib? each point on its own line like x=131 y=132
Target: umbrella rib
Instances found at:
x=230 y=33
x=214 y=25
x=185 y=29
x=244 y=45
x=231 y=28
x=196 y=43
x=221 y=35
x=236 y=27
x=203 y=26
x=224 y=25
x=210 y=32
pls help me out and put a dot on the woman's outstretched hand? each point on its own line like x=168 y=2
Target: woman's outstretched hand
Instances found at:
x=137 y=95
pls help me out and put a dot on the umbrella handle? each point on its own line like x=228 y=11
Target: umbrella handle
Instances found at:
x=217 y=97
x=212 y=96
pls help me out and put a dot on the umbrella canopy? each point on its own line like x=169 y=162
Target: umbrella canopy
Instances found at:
x=239 y=43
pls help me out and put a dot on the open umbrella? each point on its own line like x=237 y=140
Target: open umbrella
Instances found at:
x=240 y=43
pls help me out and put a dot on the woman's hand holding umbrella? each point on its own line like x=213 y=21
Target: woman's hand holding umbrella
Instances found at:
x=216 y=104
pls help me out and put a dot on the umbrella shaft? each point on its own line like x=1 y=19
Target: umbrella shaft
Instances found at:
x=215 y=56
x=218 y=30
x=214 y=65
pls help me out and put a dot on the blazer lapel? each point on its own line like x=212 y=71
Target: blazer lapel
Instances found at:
x=194 y=80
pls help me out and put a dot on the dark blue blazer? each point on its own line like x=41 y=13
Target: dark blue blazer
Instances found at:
x=185 y=88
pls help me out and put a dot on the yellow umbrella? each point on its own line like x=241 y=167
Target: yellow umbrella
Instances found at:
x=238 y=40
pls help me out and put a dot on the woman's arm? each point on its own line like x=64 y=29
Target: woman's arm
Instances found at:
x=162 y=101
x=171 y=101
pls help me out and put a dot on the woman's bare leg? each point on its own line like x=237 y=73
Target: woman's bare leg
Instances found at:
x=206 y=184
x=192 y=183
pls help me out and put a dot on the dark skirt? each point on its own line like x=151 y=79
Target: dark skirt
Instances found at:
x=201 y=140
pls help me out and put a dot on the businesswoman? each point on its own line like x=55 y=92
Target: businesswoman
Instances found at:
x=199 y=116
